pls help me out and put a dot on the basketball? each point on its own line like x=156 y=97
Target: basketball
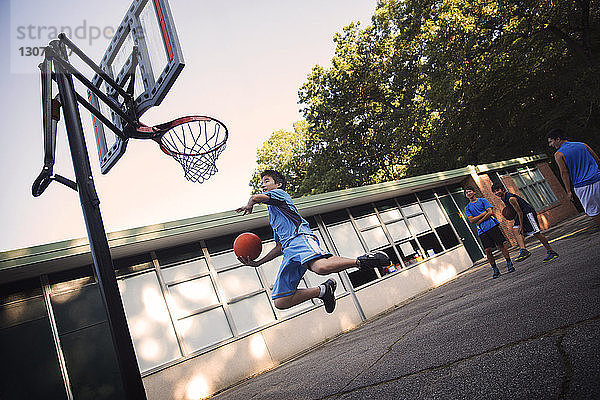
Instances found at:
x=247 y=245
x=508 y=212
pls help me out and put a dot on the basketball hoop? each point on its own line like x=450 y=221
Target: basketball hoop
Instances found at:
x=195 y=142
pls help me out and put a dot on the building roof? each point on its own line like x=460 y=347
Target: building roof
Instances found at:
x=46 y=258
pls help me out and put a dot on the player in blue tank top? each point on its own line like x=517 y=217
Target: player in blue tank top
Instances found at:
x=300 y=249
x=579 y=166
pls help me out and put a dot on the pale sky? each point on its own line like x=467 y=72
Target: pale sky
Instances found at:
x=245 y=62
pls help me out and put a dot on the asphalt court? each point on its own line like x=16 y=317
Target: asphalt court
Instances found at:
x=531 y=334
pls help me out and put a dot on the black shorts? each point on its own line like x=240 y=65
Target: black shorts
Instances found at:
x=492 y=238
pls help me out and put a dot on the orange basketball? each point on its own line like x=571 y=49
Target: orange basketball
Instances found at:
x=247 y=245
x=508 y=213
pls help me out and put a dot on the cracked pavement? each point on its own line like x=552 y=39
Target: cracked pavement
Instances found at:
x=531 y=334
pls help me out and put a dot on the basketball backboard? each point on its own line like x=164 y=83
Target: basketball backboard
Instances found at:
x=148 y=27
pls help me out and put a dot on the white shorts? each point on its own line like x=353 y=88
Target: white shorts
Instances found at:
x=530 y=225
x=589 y=196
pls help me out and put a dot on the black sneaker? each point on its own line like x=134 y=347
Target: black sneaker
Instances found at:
x=510 y=267
x=523 y=254
x=329 y=296
x=496 y=274
x=375 y=259
x=551 y=255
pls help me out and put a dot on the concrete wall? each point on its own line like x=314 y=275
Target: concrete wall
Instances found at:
x=208 y=373
x=386 y=293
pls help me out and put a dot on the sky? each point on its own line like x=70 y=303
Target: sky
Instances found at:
x=245 y=62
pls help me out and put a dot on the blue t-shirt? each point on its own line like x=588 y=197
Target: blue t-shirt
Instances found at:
x=474 y=209
x=285 y=218
x=583 y=169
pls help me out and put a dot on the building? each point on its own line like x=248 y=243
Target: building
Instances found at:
x=200 y=321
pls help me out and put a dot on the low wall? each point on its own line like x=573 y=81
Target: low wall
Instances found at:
x=215 y=370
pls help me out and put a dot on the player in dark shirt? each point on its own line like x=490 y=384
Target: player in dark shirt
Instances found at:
x=525 y=222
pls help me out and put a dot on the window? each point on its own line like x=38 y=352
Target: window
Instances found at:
x=204 y=329
x=409 y=229
x=193 y=299
x=398 y=230
x=374 y=238
x=192 y=296
x=430 y=244
x=434 y=213
x=246 y=295
x=533 y=186
x=26 y=335
x=346 y=240
x=495 y=178
x=186 y=270
x=410 y=252
x=151 y=329
x=239 y=281
x=440 y=224
x=447 y=236
x=418 y=224
x=81 y=323
x=252 y=312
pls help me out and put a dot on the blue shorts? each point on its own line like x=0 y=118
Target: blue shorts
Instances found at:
x=299 y=251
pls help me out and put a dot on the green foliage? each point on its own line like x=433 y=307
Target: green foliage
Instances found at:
x=285 y=152
x=511 y=71
x=438 y=84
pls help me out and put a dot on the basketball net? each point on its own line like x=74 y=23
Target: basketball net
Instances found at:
x=196 y=145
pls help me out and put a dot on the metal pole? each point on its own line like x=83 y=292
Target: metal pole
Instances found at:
x=113 y=84
x=130 y=373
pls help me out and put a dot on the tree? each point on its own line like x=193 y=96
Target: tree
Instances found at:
x=503 y=73
x=361 y=113
x=438 y=84
x=285 y=152
x=473 y=81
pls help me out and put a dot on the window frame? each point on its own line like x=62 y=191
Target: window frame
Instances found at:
x=532 y=186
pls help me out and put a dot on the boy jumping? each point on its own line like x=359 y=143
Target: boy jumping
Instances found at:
x=479 y=211
x=300 y=248
x=525 y=222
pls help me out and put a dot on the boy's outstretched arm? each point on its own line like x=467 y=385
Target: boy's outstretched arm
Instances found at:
x=273 y=253
x=254 y=199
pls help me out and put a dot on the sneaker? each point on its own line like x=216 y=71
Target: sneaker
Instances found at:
x=510 y=267
x=551 y=255
x=329 y=296
x=496 y=273
x=373 y=260
x=523 y=254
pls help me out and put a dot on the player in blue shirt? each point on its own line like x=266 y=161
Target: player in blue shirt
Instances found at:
x=479 y=211
x=579 y=165
x=300 y=248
